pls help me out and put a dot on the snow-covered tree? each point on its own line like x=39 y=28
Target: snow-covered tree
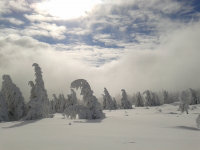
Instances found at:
x=14 y=99
x=183 y=106
x=148 y=101
x=115 y=103
x=38 y=106
x=71 y=99
x=91 y=108
x=198 y=121
x=3 y=109
x=139 y=101
x=62 y=102
x=166 y=97
x=193 y=97
x=126 y=104
x=155 y=100
x=56 y=103
x=107 y=101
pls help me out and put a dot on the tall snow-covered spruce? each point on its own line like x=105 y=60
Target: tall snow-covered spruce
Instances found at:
x=38 y=106
x=126 y=104
x=108 y=103
x=14 y=99
x=91 y=109
x=139 y=102
x=3 y=109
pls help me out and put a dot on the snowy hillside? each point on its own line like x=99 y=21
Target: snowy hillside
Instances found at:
x=141 y=128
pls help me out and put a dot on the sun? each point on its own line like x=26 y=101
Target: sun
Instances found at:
x=67 y=9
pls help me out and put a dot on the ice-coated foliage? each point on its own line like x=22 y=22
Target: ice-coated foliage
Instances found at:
x=183 y=106
x=139 y=102
x=14 y=99
x=198 y=121
x=193 y=97
x=62 y=102
x=71 y=99
x=108 y=103
x=126 y=104
x=148 y=100
x=166 y=97
x=38 y=106
x=155 y=100
x=115 y=103
x=3 y=109
x=91 y=109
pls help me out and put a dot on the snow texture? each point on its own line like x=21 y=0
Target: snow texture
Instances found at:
x=108 y=103
x=38 y=106
x=183 y=106
x=14 y=99
x=142 y=129
x=139 y=102
x=126 y=104
x=91 y=109
x=3 y=109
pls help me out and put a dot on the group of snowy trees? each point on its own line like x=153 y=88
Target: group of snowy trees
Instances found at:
x=58 y=105
x=12 y=104
x=91 y=108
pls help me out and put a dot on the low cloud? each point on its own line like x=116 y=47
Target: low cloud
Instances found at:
x=172 y=65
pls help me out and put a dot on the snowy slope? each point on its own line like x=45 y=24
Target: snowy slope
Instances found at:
x=156 y=128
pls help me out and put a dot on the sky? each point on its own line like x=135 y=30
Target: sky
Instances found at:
x=135 y=45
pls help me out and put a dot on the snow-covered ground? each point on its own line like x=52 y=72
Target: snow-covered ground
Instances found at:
x=156 y=128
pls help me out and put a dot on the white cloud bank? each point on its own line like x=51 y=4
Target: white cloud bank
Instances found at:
x=172 y=65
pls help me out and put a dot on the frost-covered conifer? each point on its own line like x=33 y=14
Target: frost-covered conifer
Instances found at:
x=155 y=100
x=148 y=100
x=62 y=103
x=193 y=97
x=14 y=99
x=115 y=103
x=183 y=106
x=38 y=106
x=91 y=108
x=107 y=103
x=139 y=101
x=166 y=97
x=71 y=99
x=56 y=103
x=198 y=121
x=126 y=104
x=3 y=109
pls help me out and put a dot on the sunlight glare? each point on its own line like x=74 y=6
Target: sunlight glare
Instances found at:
x=67 y=9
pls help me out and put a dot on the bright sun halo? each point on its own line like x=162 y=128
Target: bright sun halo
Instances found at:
x=67 y=9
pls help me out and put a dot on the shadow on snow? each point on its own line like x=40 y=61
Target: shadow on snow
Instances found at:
x=22 y=123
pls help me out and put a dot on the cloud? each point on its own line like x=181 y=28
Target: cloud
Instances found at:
x=13 y=21
x=132 y=45
x=172 y=65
